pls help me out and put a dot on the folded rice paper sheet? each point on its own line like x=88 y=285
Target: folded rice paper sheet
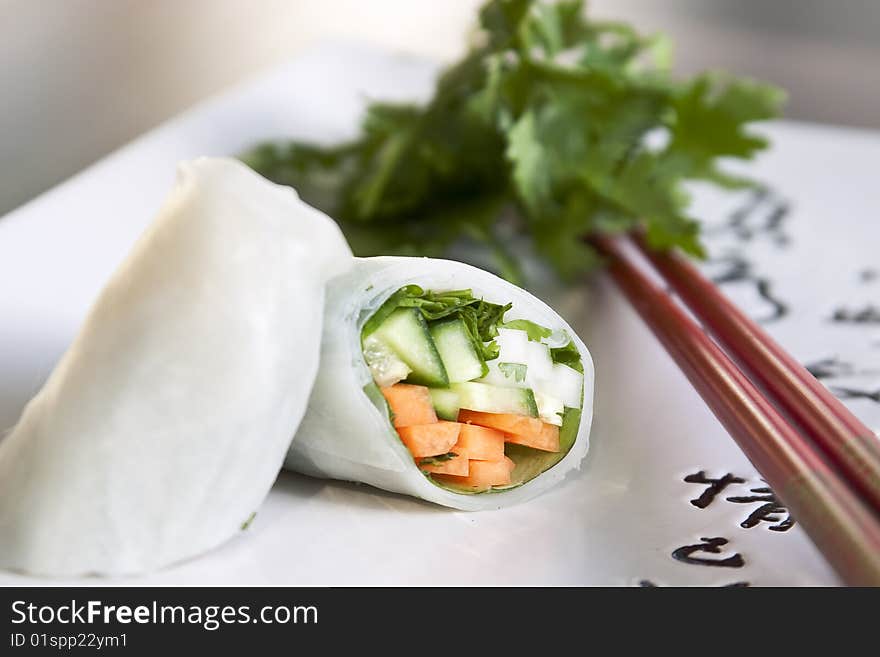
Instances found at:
x=166 y=422
x=346 y=432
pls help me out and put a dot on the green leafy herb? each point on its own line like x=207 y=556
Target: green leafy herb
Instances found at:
x=247 y=523
x=480 y=317
x=536 y=332
x=515 y=370
x=568 y=355
x=554 y=125
x=437 y=460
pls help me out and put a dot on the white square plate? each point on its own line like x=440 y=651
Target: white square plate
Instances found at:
x=812 y=240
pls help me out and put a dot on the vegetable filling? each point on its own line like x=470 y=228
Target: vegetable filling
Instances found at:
x=481 y=404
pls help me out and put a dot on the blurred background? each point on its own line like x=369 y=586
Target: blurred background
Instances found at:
x=78 y=78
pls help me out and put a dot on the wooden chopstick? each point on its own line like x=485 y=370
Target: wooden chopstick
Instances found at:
x=850 y=445
x=844 y=529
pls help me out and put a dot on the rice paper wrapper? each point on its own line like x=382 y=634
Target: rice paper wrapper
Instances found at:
x=345 y=436
x=165 y=424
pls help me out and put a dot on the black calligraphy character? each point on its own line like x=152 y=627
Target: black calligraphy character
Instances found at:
x=868 y=315
x=715 y=486
x=829 y=368
x=739 y=271
x=833 y=368
x=737 y=222
x=775 y=221
x=868 y=275
x=852 y=393
x=762 y=285
x=770 y=511
x=713 y=546
x=753 y=218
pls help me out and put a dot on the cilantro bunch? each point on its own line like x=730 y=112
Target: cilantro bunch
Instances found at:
x=554 y=123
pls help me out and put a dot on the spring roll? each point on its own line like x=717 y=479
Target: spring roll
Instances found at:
x=444 y=382
x=164 y=425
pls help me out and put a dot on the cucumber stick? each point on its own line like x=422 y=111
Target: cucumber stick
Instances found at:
x=457 y=350
x=406 y=332
x=494 y=399
x=445 y=403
